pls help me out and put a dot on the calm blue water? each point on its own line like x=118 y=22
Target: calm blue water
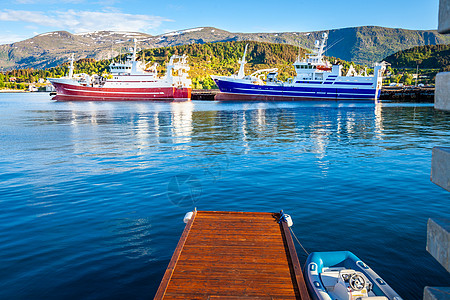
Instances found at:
x=93 y=194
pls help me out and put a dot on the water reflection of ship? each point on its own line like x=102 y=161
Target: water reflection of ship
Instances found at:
x=150 y=124
x=181 y=124
x=311 y=128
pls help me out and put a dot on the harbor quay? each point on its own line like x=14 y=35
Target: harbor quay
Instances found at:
x=396 y=94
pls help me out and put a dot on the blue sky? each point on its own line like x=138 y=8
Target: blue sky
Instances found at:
x=21 y=19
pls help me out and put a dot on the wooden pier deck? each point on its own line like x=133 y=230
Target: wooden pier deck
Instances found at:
x=234 y=255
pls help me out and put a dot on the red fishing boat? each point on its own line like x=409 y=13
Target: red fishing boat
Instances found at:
x=129 y=81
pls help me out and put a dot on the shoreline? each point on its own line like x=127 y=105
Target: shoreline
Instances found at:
x=396 y=94
x=13 y=91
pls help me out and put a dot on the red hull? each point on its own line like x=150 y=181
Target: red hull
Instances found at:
x=68 y=92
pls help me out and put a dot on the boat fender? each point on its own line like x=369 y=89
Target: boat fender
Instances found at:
x=286 y=218
x=188 y=217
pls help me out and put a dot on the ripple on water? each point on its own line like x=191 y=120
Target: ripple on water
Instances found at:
x=93 y=194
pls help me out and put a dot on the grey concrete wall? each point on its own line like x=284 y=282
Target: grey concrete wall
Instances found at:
x=436 y=293
x=438 y=236
x=444 y=16
x=440 y=167
x=442 y=92
x=438 y=241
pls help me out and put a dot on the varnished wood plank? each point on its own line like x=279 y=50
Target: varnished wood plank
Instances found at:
x=233 y=255
x=171 y=267
x=215 y=213
x=300 y=281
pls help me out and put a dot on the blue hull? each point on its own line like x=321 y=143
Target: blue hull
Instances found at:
x=238 y=90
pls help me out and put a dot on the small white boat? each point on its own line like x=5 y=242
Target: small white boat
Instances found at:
x=342 y=275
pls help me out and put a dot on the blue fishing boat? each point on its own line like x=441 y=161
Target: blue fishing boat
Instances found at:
x=342 y=275
x=316 y=79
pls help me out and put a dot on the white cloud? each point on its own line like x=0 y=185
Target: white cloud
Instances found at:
x=82 y=21
x=107 y=3
x=8 y=38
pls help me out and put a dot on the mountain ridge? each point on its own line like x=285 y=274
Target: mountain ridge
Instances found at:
x=363 y=44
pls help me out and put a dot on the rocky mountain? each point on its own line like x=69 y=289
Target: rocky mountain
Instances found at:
x=363 y=45
x=53 y=48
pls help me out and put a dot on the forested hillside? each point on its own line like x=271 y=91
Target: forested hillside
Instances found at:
x=204 y=60
x=427 y=57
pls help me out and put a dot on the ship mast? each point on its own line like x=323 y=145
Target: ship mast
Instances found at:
x=134 y=50
x=322 y=44
x=242 y=62
x=71 y=67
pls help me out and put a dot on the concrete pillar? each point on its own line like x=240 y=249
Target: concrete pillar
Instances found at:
x=440 y=167
x=444 y=16
x=436 y=293
x=442 y=92
x=438 y=241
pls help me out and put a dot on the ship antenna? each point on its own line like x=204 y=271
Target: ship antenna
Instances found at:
x=322 y=45
x=334 y=44
x=134 y=50
x=242 y=62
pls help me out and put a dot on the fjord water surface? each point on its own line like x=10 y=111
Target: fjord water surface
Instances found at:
x=93 y=194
